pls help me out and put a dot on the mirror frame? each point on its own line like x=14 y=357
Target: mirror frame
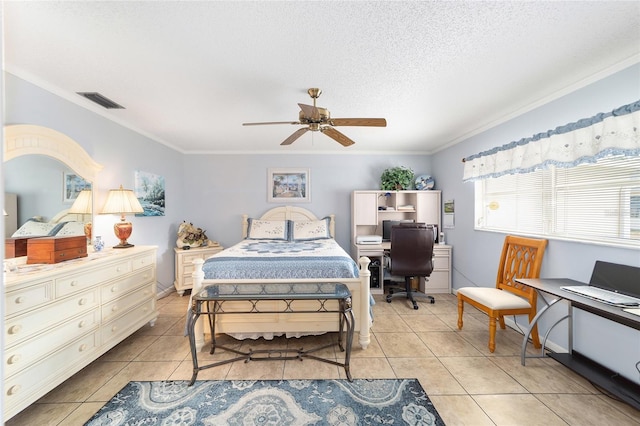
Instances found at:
x=28 y=139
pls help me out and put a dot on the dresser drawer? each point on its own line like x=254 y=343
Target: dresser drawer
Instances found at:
x=129 y=322
x=123 y=286
x=117 y=307
x=29 y=352
x=80 y=281
x=32 y=380
x=143 y=261
x=34 y=322
x=28 y=298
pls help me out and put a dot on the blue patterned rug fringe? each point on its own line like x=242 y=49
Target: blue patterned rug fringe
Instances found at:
x=270 y=402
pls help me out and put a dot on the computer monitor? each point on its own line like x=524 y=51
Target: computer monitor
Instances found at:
x=386 y=227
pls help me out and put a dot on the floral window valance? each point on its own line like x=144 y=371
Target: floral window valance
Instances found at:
x=585 y=141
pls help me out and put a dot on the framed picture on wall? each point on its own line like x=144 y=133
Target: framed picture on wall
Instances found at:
x=288 y=185
x=149 y=190
x=72 y=184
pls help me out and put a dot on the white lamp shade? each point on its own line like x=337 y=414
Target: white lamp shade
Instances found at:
x=82 y=204
x=121 y=201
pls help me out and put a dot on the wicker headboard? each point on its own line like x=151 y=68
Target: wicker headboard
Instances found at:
x=288 y=213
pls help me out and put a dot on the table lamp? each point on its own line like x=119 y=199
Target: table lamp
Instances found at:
x=82 y=205
x=122 y=201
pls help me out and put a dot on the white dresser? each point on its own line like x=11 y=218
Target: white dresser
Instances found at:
x=59 y=318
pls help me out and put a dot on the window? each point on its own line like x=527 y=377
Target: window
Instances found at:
x=595 y=202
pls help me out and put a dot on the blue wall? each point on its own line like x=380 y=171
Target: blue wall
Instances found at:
x=476 y=253
x=212 y=191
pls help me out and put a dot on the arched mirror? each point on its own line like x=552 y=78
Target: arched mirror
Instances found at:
x=48 y=180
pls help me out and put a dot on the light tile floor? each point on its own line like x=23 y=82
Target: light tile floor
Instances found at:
x=467 y=384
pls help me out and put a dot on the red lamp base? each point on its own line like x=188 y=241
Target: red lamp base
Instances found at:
x=123 y=232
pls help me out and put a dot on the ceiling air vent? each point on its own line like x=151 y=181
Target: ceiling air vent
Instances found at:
x=100 y=100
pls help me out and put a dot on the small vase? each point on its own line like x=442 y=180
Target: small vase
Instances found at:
x=98 y=244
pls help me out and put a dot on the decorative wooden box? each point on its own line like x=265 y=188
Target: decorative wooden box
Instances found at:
x=56 y=249
x=15 y=247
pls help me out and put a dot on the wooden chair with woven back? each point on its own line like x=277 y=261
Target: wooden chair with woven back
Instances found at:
x=521 y=258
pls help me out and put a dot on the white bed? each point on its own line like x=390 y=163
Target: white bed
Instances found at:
x=62 y=224
x=267 y=325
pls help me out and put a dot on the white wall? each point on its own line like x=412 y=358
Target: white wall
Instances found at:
x=476 y=253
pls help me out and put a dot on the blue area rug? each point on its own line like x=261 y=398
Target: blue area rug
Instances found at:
x=270 y=402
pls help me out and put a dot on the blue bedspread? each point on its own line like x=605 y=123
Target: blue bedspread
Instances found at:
x=271 y=259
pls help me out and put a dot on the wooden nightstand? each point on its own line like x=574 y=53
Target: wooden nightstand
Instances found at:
x=184 y=264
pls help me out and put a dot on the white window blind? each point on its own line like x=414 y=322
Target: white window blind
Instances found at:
x=595 y=202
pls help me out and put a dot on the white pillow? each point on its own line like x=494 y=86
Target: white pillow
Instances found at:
x=71 y=229
x=34 y=229
x=268 y=230
x=310 y=230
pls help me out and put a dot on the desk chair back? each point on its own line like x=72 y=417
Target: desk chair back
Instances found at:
x=411 y=255
x=521 y=258
x=411 y=250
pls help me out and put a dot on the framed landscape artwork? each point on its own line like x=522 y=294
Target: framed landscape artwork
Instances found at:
x=72 y=184
x=288 y=185
x=149 y=190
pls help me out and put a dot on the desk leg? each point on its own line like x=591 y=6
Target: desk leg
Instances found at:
x=523 y=353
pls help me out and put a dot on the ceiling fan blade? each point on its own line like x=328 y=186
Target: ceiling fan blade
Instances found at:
x=310 y=111
x=336 y=135
x=271 y=122
x=371 y=122
x=291 y=139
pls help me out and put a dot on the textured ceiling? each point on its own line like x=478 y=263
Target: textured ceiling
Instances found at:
x=190 y=73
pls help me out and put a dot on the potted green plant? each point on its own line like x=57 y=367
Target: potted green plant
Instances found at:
x=396 y=178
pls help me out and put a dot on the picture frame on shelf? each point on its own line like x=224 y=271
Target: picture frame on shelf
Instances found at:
x=288 y=185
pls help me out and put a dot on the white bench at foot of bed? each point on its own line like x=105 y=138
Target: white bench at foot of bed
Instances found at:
x=302 y=323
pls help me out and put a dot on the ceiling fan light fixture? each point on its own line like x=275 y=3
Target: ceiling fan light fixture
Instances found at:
x=319 y=119
x=315 y=93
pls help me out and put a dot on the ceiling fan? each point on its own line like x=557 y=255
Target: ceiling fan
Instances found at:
x=319 y=119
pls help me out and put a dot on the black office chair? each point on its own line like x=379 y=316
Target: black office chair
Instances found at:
x=411 y=255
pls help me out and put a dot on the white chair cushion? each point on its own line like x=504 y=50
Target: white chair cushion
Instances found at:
x=494 y=298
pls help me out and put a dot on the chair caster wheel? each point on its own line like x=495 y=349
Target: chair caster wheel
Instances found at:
x=389 y=299
x=433 y=301
x=415 y=306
